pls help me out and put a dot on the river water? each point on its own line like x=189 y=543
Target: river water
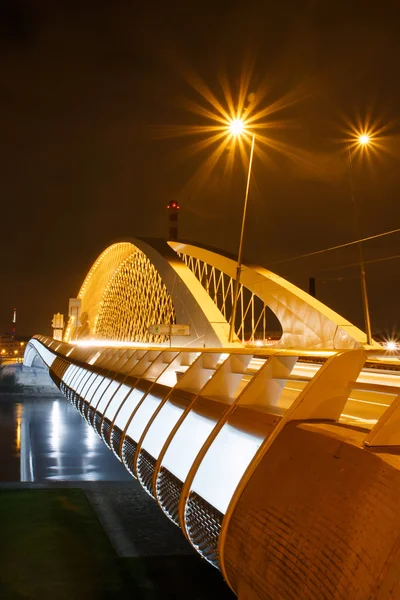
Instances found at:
x=46 y=439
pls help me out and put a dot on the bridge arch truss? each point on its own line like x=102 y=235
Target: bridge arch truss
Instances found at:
x=137 y=283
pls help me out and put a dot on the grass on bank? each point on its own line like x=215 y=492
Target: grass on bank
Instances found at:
x=53 y=547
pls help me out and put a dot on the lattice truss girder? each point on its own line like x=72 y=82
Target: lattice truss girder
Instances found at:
x=92 y=288
x=251 y=315
x=134 y=298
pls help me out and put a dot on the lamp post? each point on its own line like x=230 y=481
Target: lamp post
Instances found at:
x=363 y=140
x=237 y=127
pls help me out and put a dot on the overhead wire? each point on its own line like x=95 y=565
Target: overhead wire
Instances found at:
x=366 y=239
x=366 y=262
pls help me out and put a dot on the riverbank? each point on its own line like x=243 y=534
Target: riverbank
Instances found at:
x=78 y=526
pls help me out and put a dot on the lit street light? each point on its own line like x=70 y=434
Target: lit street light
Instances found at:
x=236 y=128
x=222 y=125
x=363 y=140
x=391 y=345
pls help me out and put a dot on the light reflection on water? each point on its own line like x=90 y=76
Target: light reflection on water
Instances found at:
x=19 y=410
x=47 y=439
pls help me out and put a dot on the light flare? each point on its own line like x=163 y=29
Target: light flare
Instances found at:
x=227 y=122
x=391 y=345
x=237 y=126
x=366 y=138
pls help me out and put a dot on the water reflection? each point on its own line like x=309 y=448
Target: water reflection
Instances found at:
x=47 y=439
x=55 y=427
x=91 y=439
x=19 y=410
x=9 y=450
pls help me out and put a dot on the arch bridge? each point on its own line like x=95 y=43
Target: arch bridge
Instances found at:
x=280 y=464
x=136 y=283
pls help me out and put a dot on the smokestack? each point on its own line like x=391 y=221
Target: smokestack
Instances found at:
x=14 y=323
x=173 y=212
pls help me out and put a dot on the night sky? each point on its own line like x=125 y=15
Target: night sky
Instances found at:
x=90 y=91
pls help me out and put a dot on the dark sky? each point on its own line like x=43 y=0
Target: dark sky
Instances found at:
x=86 y=87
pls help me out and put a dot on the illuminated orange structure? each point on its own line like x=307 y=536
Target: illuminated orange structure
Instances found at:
x=280 y=464
x=137 y=283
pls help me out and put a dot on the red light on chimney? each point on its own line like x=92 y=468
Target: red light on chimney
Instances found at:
x=173 y=208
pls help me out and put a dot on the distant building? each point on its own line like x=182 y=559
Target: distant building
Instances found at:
x=12 y=347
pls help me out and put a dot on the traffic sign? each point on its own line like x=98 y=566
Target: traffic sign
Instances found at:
x=180 y=329
x=159 y=329
x=169 y=329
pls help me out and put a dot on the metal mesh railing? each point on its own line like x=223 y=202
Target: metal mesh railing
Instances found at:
x=106 y=431
x=145 y=470
x=203 y=523
x=169 y=490
x=90 y=414
x=129 y=448
x=97 y=422
x=115 y=440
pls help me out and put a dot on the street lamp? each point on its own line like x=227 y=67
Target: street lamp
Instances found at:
x=362 y=140
x=237 y=127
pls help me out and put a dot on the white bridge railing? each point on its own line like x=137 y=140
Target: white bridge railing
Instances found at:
x=193 y=425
